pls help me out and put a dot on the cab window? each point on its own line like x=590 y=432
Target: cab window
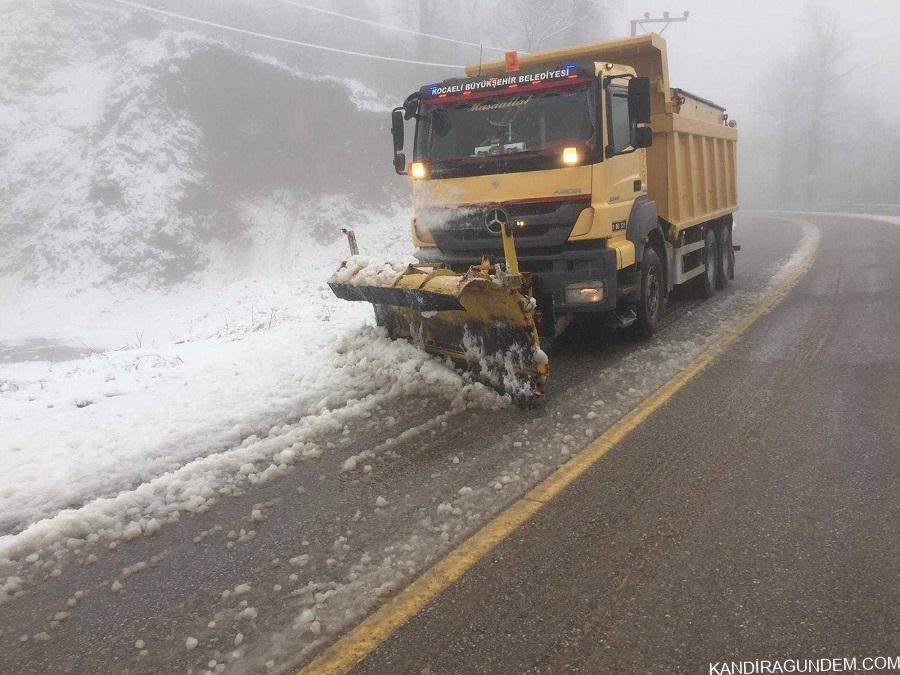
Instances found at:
x=619 y=122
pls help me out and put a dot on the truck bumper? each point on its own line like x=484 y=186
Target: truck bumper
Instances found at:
x=552 y=273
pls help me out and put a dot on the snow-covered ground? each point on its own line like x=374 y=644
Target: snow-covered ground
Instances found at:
x=182 y=389
x=163 y=267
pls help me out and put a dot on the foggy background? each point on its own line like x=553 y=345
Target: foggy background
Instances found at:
x=144 y=151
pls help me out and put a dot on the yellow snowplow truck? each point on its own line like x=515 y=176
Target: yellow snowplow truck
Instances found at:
x=549 y=185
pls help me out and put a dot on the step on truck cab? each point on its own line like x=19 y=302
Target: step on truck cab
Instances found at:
x=617 y=186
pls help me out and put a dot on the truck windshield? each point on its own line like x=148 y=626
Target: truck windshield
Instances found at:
x=513 y=131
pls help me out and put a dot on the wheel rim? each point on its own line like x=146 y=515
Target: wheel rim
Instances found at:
x=711 y=262
x=652 y=292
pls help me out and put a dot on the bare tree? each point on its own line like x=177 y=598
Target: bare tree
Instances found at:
x=811 y=88
x=592 y=20
x=547 y=24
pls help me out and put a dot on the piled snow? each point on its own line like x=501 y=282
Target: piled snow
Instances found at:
x=201 y=402
x=186 y=393
x=505 y=370
x=359 y=270
x=200 y=445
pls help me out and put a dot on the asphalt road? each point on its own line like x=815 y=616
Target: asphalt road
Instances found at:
x=783 y=492
x=756 y=515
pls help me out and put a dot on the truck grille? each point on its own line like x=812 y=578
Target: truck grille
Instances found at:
x=548 y=223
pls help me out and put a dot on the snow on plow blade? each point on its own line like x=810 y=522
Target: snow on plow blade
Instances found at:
x=475 y=319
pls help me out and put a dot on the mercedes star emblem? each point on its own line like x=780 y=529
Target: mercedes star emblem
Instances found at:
x=495 y=220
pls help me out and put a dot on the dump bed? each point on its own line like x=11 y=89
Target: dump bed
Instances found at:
x=691 y=164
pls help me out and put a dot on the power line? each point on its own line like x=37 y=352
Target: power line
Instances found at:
x=310 y=45
x=385 y=26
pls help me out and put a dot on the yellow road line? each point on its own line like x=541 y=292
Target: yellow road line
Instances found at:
x=350 y=650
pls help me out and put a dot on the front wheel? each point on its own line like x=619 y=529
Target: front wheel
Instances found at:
x=652 y=295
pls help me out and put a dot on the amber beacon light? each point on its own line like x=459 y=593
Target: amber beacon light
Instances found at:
x=512 y=62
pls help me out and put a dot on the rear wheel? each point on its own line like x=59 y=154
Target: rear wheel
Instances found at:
x=706 y=282
x=726 y=258
x=652 y=296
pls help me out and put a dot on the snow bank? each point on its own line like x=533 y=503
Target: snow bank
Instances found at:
x=189 y=449
x=179 y=375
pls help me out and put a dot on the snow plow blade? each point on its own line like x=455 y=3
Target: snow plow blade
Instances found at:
x=482 y=321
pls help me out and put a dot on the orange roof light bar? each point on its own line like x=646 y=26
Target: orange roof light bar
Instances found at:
x=512 y=62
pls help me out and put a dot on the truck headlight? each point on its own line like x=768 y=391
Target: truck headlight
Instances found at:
x=417 y=170
x=584 y=293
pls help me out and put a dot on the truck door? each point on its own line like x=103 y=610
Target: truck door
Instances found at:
x=622 y=166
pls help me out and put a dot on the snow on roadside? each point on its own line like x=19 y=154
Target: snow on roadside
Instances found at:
x=892 y=220
x=187 y=387
x=362 y=370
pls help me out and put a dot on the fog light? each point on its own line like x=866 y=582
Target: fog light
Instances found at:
x=584 y=293
x=417 y=170
x=570 y=155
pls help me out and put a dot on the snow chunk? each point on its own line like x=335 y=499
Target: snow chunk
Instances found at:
x=249 y=613
x=132 y=530
x=359 y=270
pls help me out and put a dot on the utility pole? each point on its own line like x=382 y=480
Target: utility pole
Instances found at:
x=666 y=19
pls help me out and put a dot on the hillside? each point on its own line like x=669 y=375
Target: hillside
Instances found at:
x=131 y=155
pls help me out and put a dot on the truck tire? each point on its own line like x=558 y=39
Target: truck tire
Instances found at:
x=725 y=272
x=707 y=282
x=652 y=298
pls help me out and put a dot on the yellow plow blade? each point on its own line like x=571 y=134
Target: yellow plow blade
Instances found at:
x=476 y=319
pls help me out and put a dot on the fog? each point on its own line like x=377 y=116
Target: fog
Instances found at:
x=256 y=139
x=809 y=83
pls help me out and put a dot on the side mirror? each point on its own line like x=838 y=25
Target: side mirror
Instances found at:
x=397 y=134
x=642 y=137
x=397 y=129
x=639 y=100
